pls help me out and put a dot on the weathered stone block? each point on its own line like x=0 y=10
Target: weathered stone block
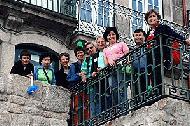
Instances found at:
x=15 y=108
x=40 y=121
x=5 y=119
x=17 y=99
x=20 y=120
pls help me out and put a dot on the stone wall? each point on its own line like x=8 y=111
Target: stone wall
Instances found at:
x=49 y=106
x=166 y=112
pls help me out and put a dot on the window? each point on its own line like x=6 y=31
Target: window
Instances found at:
x=177 y=10
x=142 y=6
x=86 y=11
x=96 y=12
x=36 y=51
x=103 y=13
x=67 y=7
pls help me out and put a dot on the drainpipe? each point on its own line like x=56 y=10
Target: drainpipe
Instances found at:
x=185 y=19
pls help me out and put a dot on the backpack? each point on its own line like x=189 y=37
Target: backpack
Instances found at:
x=175 y=52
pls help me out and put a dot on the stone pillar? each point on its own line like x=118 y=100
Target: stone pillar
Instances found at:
x=6 y=52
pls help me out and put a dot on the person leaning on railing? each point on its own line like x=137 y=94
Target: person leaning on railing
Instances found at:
x=87 y=71
x=23 y=67
x=61 y=74
x=167 y=34
x=114 y=51
x=98 y=65
x=77 y=99
x=139 y=63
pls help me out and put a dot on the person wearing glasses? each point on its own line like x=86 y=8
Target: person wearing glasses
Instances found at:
x=89 y=69
x=23 y=67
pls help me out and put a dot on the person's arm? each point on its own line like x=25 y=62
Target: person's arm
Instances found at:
x=125 y=48
x=13 y=70
x=108 y=61
x=72 y=75
x=171 y=33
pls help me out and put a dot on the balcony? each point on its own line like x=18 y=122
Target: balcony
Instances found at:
x=41 y=17
x=65 y=7
x=101 y=99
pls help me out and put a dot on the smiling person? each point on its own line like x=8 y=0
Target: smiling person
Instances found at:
x=113 y=52
x=168 y=36
x=61 y=75
x=139 y=63
x=44 y=72
x=23 y=67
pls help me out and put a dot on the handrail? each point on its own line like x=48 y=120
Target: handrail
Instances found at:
x=99 y=101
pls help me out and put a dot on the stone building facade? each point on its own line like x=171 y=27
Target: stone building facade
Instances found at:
x=52 y=29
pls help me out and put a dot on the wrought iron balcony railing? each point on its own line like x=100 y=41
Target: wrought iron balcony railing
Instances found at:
x=66 y=7
x=118 y=90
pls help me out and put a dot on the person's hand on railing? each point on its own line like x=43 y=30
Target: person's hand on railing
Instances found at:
x=111 y=63
x=83 y=76
x=187 y=42
x=94 y=74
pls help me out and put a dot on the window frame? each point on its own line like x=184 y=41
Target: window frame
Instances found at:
x=145 y=4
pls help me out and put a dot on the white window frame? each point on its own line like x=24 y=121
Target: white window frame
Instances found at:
x=145 y=9
x=94 y=24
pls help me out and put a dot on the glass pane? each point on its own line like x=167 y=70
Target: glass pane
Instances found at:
x=39 y=3
x=157 y=9
x=88 y=5
x=150 y=1
x=50 y=4
x=156 y=2
x=82 y=14
x=88 y=16
x=44 y=4
x=55 y=5
x=134 y=5
x=140 y=8
x=33 y=2
x=150 y=7
x=134 y=21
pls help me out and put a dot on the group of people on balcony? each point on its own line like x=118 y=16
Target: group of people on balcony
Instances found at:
x=105 y=52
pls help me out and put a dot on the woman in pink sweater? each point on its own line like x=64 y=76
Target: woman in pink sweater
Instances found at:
x=114 y=51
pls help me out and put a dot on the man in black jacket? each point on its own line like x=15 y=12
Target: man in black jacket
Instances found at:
x=23 y=67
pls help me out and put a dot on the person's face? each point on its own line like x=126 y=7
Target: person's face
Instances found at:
x=80 y=55
x=64 y=60
x=139 y=38
x=101 y=43
x=111 y=37
x=25 y=60
x=46 y=61
x=90 y=49
x=153 y=19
